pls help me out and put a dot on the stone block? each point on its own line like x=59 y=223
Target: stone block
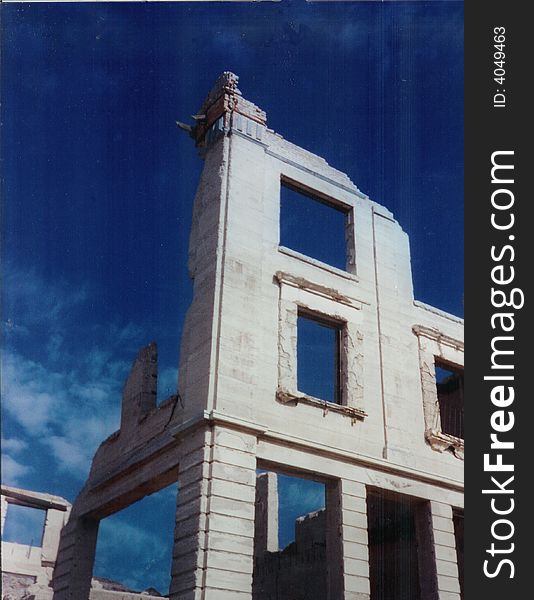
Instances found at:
x=231 y=508
x=355 y=583
x=228 y=580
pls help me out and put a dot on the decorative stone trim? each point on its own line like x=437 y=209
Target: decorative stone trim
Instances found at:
x=285 y=397
x=318 y=289
x=437 y=311
x=297 y=293
x=433 y=344
x=443 y=441
x=317 y=263
x=436 y=335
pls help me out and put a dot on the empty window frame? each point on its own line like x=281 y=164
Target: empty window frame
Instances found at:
x=313 y=226
x=401 y=564
x=450 y=390
x=24 y=525
x=134 y=546
x=319 y=357
x=290 y=538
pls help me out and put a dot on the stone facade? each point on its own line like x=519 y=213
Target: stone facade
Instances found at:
x=238 y=407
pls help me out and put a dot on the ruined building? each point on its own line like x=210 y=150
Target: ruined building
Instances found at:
x=28 y=565
x=383 y=432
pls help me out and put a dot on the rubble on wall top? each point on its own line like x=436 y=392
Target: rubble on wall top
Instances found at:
x=226 y=83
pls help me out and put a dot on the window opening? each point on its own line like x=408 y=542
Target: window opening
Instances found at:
x=134 y=546
x=24 y=525
x=400 y=557
x=313 y=226
x=450 y=389
x=290 y=538
x=318 y=357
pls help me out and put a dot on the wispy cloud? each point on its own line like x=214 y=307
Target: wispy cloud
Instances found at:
x=148 y=549
x=30 y=301
x=58 y=410
x=13 y=445
x=61 y=393
x=13 y=471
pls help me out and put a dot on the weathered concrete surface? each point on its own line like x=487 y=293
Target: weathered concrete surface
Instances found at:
x=238 y=406
x=22 y=565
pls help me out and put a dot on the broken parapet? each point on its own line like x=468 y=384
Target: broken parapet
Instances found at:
x=223 y=108
x=139 y=393
x=310 y=530
x=142 y=421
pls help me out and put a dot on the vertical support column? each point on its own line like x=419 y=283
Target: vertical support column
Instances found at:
x=76 y=555
x=266 y=514
x=3 y=510
x=55 y=519
x=214 y=540
x=445 y=550
x=191 y=518
x=231 y=521
x=348 y=567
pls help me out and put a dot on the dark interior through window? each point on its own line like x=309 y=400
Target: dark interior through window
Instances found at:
x=450 y=387
x=393 y=556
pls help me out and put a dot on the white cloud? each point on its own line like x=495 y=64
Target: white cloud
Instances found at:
x=31 y=301
x=54 y=346
x=59 y=410
x=13 y=471
x=66 y=398
x=26 y=388
x=13 y=445
x=146 y=551
x=131 y=332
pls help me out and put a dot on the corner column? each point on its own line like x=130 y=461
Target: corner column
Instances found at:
x=75 y=559
x=214 y=536
x=3 y=511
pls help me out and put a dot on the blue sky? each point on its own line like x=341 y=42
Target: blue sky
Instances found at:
x=98 y=182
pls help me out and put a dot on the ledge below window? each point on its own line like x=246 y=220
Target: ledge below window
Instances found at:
x=443 y=441
x=285 y=397
x=317 y=263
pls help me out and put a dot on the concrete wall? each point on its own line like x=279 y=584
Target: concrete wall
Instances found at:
x=238 y=408
x=263 y=287
x=24 y=566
